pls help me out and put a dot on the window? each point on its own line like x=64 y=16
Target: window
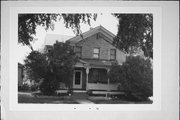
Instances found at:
x=78 y=51
x=73 y=48
x=48 y=50
x=113 y=54
x=96 y=53
x=98 y=76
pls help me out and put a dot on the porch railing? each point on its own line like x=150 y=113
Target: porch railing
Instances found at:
x=101 y=86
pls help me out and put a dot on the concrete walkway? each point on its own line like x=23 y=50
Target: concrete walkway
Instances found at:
x=81 y=98
x=83 y=101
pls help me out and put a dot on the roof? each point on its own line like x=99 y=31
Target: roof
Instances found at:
x=50 y=39
x=91 y=32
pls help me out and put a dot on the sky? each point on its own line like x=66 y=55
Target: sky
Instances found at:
x=106 y=20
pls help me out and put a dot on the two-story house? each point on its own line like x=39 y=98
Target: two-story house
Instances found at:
x=96 y=53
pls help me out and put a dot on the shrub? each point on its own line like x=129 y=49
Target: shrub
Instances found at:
x=52 y=66
x=24 y=88
x=49 y=85
x=34 y=87
x=135 y=76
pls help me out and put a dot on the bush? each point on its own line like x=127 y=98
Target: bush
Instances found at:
x=34 y=87
x=52 y=67
x=135 y=76
x=49 y=85
x=24 y=88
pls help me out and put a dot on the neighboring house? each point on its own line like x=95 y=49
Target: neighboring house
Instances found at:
x=20 y=74
x=50 y=39
x=97 y=54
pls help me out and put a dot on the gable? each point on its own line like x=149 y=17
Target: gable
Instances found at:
x=97 y=40
x=97 y=30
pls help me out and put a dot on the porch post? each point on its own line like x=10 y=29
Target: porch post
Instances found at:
x=87 y=75
x=108 y=89
x=108 y=80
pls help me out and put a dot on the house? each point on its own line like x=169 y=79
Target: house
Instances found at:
x=20 y=74
x=96 y=55
x=50 y=39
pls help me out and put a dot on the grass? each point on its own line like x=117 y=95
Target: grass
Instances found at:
x=112 y=101
x=122 y=100
x=24 y=98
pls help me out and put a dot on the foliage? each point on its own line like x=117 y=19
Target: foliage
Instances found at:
x=34 y=87
x=49 y=84
x=24 y=87
x=36 y=66
x=27 y=24
x=135 y=76
x=135 y=31
x=62 y=60
x=51 y=67
x=73 y=20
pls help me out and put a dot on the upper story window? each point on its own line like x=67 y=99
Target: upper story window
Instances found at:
x=113 y=54
x=48 y=50
x=73 y=48
x=78 y=51
x=96 y=52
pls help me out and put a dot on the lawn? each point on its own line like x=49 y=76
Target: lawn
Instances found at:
x=28 y=98
x=24 y=97
x=104 y=100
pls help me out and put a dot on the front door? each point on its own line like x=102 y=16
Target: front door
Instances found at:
x=77 y=82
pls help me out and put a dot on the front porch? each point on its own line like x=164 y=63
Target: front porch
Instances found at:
x=101 y=87
x=93 y=77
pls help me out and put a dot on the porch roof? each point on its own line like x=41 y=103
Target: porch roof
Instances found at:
x=97 y=62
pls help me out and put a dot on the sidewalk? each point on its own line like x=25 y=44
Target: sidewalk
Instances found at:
x=81 y=98
x=84 y=101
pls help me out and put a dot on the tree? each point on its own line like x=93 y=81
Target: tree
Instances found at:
x=62 y=60
x=135 y=31
x=53 y=67
x=27 y=24
x=36 y=66
x=135 y=76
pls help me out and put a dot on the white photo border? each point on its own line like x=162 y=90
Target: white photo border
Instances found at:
x=13 y=89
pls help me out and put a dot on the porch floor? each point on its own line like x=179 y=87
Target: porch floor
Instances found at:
x=79 y=91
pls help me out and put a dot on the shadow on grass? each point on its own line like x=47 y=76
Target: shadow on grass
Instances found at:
x=119 y=100
x=28 y=98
